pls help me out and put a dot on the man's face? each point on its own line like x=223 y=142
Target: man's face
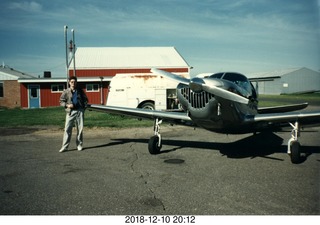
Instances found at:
x=73 y=84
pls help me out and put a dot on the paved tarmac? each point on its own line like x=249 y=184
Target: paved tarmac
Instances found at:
x=197 y=173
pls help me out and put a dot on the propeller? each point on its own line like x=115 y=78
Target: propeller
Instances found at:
x=213 y=86
x=171 y=76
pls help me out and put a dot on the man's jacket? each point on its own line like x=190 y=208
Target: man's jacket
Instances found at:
x=66 y=98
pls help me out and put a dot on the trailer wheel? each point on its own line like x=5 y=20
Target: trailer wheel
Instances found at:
x=148 y=105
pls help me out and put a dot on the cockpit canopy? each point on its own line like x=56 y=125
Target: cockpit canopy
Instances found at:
x=239 y=80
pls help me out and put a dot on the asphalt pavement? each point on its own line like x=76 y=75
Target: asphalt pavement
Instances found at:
x=197 y=173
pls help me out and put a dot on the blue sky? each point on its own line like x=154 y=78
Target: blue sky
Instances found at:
x=226 y=35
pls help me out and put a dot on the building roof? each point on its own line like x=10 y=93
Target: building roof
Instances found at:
x=274 y=73
x=8 y=73
x=128 y=57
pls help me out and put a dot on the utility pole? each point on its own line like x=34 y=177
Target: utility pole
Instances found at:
x=74 y=53
x=66 y=46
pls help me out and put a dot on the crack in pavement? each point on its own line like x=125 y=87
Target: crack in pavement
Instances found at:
x=154 y=201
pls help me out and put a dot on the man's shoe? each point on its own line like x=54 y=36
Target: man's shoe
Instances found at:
x=63 y=150
x=79 y=148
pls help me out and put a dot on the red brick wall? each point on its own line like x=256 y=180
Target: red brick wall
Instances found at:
x=11 y=94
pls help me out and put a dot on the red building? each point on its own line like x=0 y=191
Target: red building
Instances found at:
x=46 y=92
x=95 y=68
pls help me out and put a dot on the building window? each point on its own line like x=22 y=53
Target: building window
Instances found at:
x=1 y=90
x=92 y=87
x=34 y=92
x=57 y=88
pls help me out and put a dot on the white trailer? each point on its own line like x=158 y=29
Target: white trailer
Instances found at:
x=138 y=90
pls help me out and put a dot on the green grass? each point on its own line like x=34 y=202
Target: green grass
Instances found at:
x=276 y=100
x=55 y=116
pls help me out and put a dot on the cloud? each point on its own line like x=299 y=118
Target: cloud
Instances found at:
x=26 y=6
x=215 y=30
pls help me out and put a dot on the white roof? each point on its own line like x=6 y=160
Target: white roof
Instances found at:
x=128 y=57
x=8 y=73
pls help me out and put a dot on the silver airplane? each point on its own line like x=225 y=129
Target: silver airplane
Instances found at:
x=224 y=103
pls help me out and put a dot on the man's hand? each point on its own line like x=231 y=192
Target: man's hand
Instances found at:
x=70 y=106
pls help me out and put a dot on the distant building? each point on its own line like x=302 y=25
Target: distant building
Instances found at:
x=10 y=94
x=289 y=81
x=95 y=68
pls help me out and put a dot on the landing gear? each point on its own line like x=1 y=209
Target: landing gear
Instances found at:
x=293 y=144
x=295 y=152
x=155 y=143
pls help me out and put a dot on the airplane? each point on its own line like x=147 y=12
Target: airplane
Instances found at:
x=224 y=102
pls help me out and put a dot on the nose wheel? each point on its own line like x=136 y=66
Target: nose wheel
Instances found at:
x=155 y=143
x=294 y=145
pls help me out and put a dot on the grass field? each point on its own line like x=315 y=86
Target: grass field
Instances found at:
x=273 y=100
x=55 y=116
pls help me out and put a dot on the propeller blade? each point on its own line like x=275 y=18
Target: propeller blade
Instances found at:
x=220 y=92
x=171 y=76
x=214 y=87
x=197 y=85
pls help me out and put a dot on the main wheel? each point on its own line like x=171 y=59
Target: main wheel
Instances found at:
x=153 y=145
x=295 y=152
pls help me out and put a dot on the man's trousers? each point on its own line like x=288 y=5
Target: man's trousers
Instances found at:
x=74 y=117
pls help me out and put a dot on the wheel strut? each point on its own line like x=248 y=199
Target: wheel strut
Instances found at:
x=156 y=128
x=293 y=144
x=295 y=133
x=155 y=144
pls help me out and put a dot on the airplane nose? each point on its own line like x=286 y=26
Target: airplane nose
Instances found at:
x=196 y=84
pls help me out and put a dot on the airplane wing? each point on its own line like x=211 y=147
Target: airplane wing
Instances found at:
x=282 y=109
x=305 y=118
x=171 y=117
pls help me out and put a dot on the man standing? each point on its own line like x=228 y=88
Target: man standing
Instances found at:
x=74 y=100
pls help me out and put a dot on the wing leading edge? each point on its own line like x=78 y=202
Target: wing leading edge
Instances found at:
x=282 y=109
x=306 y=118
x=172 y=117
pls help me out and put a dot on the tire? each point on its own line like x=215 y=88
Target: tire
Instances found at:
x=295 y=152
x=148 y=105
x=153 y=147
